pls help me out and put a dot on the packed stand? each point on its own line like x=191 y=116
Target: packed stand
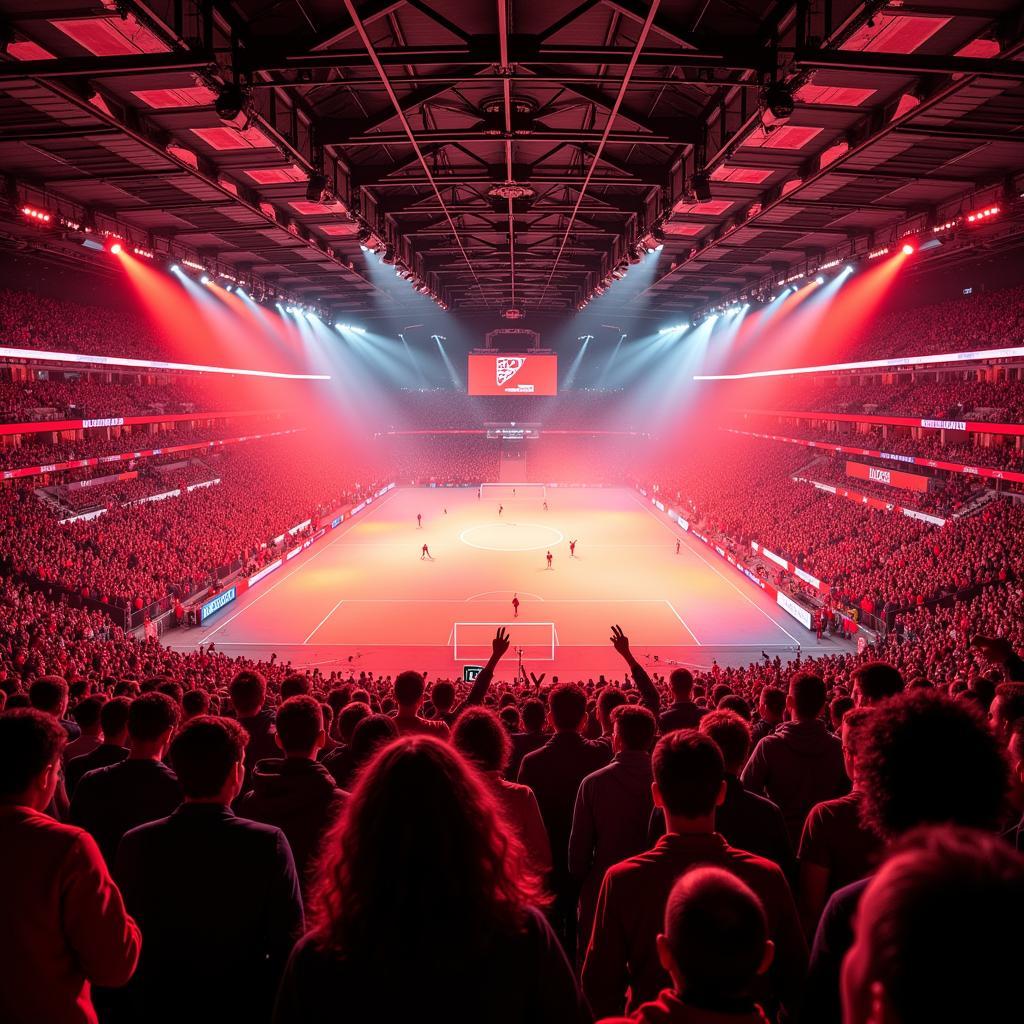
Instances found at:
x=767 y=843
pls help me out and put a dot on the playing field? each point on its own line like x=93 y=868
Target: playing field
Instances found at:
x=363 y=597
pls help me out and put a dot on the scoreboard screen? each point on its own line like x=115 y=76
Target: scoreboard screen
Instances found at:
x=495 y=373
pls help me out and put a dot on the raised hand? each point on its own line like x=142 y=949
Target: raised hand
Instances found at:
x=620 y=641
x=501 y=643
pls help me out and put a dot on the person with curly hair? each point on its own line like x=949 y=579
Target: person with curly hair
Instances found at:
x=425 y=907
x=923 y=759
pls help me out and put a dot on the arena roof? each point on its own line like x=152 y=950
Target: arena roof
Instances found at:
x=512 y=154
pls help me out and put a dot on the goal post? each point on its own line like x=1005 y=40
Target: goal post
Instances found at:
x=472 y=640
x=510 y=492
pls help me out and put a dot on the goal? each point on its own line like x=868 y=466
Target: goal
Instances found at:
x=509 y=492
x=537 y=640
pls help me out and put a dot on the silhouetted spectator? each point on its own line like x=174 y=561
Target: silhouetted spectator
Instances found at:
x=65 y=927
x=801 y=763
x=480 y=737
x=471 y=945
x=554 y=773
x=114 y=748
x=689 y=779
x=942 y=913
x=197 y=934
x=296 y=793
x=612 y=809
x=714 y=947
x=109 y=801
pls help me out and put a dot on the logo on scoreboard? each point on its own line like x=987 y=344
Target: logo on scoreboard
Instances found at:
x=506 y=367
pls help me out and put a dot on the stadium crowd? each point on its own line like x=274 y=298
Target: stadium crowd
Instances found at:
x=183 y=836
x=136 y=555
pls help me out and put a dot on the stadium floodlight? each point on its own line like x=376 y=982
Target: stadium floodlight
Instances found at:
x=204 y=280
x=174 y=268
x=819 y=280
x=116 y=248
x=908 y=249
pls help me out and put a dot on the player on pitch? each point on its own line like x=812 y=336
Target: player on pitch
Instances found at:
x=515 y=606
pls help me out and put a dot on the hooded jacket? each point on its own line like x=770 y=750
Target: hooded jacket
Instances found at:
x=299 y=796
x=797 y=766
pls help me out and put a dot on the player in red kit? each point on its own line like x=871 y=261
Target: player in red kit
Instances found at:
x=515 y=606
x=425 y=553
x=572 y=549
x=551 y=558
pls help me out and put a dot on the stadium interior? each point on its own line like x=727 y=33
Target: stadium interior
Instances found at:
x=391 y=391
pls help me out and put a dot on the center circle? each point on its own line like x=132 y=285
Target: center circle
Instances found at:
x=511 y=536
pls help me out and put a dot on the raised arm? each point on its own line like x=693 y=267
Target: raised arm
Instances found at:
x=648 y=691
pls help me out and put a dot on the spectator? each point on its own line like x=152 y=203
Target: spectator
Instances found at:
x=714 y=947
x=296 y=793
x=87 y=717
x=924 y=759
x=745 y=820
x=836 y=848
x=372 y=733
x=480 y=738
x=689 y=781
x=682 y=713
x=49 y=694
x=409 y=690
x=114 y=748
x=193 y=704
x=248 y=696
x=65 y=926
x=612 y=810
x=198 y=934
x=875 y=681
x=943 y=912
x=532 y=737
x=554 y=773
x=1006 y=710
x=801 y=763
x=472 y=944
x=771 y=708
x=109 y=801
x=340 y=761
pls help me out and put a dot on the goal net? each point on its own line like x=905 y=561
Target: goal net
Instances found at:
x=510 y=492
x=537 y=640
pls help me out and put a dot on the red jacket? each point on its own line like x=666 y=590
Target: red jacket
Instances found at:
x=65 y=925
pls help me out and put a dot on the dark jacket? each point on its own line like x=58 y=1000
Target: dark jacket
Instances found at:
x=519 y=979
x=630 y=914
x=299 y=797
x=609 y=824
x=110 y=801
x=748 y=822
x=682 y=714
x=524 y=743
x=262 y=742
x=796 y=767
x=832 y=940
x=218 y=902
x=554 y=773
x=105 y=754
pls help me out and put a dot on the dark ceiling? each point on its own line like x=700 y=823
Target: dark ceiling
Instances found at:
x=423 y=116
